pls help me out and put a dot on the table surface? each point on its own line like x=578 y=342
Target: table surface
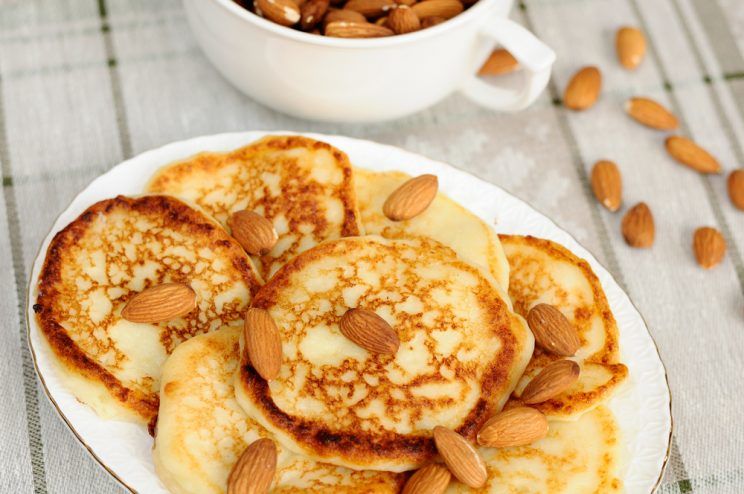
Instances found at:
x=85 y=84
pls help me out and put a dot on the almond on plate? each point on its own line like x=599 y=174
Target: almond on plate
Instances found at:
x=735 y=185
x=369 y=331
x=254 y=470
x=514 y=427
x=160 y=303
x=431 y=479
x=638 y=226
x=334 y=15
x=254 y=232
x=312 y=12
x=403 y=20
x=553 y=332
x=607 y=184
x=553 y=380
x=262 y=343
x=583 y=89
x=370 y=8
x=411 y=198
x=630 y=44
x=283 y=12
x=344 y=29
x=686 y=152
x=499 y=62
x=651 y=114
x=709 y=246
x=446 y=9
x=461 y=457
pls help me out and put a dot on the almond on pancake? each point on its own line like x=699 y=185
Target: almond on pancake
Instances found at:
x=461 y=352
x=303 y=186
x=112 y=251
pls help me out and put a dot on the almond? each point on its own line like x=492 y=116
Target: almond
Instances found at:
x=312 y=12
x=160 y=303
x=369 y=331
x=263 y=343
x=446 y=9
x=345 y=29
x=651 y=114
x=709 y=246
x=583 y=89
x=690 y=154
x=403 y=20
x=284 y=12
x=407 y=3
x=254 y=471
x=630 y=44
x=254 y=232
x=370 y=8
x=411 y=198
x=461 y=457
x=552 y=330
x=499 y=62
x=638 y=226
x=553 y=380
x=431 y=21
x=514 y=427
x=342 y=15
x=607 y=184
x=735 y=185
x=431 y=479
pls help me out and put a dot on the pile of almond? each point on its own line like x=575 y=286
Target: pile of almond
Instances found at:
x=357 y=18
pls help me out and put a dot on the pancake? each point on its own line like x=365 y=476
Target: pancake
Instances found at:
x=444 y=220
x=461 y=352
x=202 y=431
x=582 y=457
x=115 y=249
x=543 y=271
x=303 y=186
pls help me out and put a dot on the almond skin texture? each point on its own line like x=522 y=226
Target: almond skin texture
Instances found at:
x=345 y=29
x=403 y=20
x=431 y=21
x=160 y=303
x=461 y=457
x=630 y=44
x=709 y=247
x=553 y=380
x=686 y=152
x=607 y=184
x=337 y=15
x=499 y=62
x=370 y=8
x=638 y=226
x=735 y=185
x=262 y=342
x=446 y=9
x=254 y=470
x=411 y=198
x=583 y=89
x=553 y=332
x=369 y=331
x=254 y=232
x=514 y=427
x=312 y=12
x=651 y=114
x=431 y=479
x=284 y=12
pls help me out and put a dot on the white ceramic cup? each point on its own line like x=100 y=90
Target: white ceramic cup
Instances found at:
x=365 y=80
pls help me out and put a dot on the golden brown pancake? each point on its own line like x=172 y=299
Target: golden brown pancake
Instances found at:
x=461 y=352
x=303 y=186
x=115 y=249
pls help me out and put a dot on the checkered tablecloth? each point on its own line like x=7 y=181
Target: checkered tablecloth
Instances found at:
x=86 y=84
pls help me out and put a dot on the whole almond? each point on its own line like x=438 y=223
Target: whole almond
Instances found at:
x=343 y=29
x=638 y=226
x=284 y=12
x=431 y=21
x=651 y=114
x=499 y=62
x=735 y=185
x=461 y=457
x=411 y=198
x=431 y=479
x=553 y=332
x=370 y=8
x=630 y=44
x=335 y=15
x=369 y=331
x=446 y=9
x=583 y=89
x=607 y=184
x=160 y=303
x=686 y=152
x=553 y=380
x=514 y=427
x=312 y=12
x=263 y=343
x=254 y=471
x=254 y=232
x=709 y=246
x=403 y=20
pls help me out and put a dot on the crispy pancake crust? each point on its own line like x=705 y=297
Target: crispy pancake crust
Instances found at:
x=83 y=347
x=305 y=187
x=363 y=441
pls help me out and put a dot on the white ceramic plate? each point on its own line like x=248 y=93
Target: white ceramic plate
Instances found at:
x=642 y=408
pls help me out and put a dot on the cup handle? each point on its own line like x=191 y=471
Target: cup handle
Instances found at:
x=534 y=56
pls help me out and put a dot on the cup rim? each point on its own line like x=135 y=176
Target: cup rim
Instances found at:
x=387 y=41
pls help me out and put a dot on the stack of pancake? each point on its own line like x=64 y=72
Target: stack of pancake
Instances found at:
x=343 y=418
